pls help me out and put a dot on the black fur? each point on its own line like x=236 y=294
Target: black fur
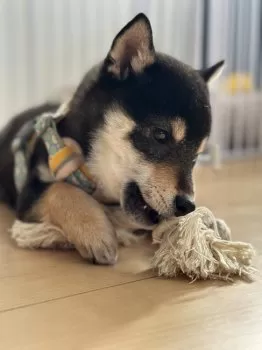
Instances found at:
x=31 y=192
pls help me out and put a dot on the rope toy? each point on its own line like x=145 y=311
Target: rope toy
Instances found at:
x=200 y=247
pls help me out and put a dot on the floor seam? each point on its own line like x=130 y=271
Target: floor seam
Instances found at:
x=73 y=295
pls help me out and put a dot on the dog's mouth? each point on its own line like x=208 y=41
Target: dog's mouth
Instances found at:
x=135 y=206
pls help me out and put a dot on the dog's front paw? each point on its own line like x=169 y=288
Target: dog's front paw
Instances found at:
x=100 y=248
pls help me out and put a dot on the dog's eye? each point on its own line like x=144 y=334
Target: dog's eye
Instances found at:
x=161 y=135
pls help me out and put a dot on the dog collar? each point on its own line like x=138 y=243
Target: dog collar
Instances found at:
x=65 y=158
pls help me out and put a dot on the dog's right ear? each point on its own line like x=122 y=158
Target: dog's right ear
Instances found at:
x=132 y=49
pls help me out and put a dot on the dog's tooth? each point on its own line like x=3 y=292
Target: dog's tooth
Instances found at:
x=145 y=206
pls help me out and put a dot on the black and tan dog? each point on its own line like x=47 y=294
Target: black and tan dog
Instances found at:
x=141 y=118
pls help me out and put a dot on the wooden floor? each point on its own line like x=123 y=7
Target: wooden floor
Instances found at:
x=54 y=300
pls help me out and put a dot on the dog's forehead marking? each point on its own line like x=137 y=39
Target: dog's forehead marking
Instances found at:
x=118 y=123
x=202 y=146
x=178 y=129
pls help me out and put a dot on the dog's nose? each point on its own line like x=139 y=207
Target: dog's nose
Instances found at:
x=183 y=205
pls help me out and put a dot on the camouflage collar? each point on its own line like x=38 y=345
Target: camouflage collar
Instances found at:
x=62 y=157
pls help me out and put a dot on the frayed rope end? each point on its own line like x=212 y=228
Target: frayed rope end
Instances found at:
x=192 y=246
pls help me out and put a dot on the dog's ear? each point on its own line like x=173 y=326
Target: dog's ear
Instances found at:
x=213 y=72
x=132 y=49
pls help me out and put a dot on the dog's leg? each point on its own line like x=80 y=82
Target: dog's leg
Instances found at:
x=68 y=211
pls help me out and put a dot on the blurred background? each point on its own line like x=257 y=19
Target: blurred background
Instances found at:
x=47 y=46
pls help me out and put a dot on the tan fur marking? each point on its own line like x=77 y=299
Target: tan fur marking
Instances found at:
x=160 y=190
x=179 y=130
x=164 y=174
x=81 y=219
x=202 y=146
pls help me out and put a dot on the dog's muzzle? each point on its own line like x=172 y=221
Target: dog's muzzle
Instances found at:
x=135 y=206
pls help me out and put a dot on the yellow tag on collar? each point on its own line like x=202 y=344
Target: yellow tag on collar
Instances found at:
x=67 y=160
x=60 y=158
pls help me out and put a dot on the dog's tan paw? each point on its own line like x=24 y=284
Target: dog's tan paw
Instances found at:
x=102 y=249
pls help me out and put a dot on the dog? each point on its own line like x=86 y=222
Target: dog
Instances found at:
x=141 y=118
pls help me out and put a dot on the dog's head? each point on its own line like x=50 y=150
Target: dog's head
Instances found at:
x=154 y=121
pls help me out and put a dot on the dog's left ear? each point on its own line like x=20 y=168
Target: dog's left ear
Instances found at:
x=132 y=49
x=213 y=72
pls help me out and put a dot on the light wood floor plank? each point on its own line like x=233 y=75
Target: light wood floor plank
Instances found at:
x=151 y=314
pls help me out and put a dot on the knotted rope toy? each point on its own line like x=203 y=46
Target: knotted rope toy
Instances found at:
x=200 y=247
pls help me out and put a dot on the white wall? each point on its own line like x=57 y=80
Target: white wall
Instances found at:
x=46 y=44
